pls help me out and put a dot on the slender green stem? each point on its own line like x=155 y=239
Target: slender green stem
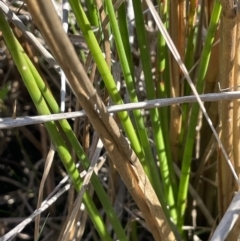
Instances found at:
x=123 y=28
x=148 y=162
x=187 y=156
x=155 y=119
x=92 y=12
x=162 y=92
x=106 y=75
x=189 y=58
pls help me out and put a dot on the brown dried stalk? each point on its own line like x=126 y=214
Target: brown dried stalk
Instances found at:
x=226 y=183
x=177 y=32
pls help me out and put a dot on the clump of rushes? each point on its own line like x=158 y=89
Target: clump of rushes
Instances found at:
x=165 y=142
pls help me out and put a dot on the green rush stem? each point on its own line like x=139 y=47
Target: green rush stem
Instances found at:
x=148 y=162
x=190 y=139
x=92 y=12
x=106 y=75
x=189 y=58
x=165 y=165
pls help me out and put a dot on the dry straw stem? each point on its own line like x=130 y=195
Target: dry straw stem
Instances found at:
x=115 y=143
x=176 y=30
x=47 y=166
x=236 y=109
x=229 y=112
x=226 y=185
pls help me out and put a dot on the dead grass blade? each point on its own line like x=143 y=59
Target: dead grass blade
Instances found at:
x=47 y=166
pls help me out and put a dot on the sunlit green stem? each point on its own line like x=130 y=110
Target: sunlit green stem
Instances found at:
x=187 y=156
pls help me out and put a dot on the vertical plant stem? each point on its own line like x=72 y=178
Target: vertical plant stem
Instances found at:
x=92 y=12
x=157 y=131
x=228 y=26
x=236 y=103
x=122 y=23
x=106 y=75
x=177 y=33
x=163 y=85
x=187 y=156
x=148 y=163
x=189 y=57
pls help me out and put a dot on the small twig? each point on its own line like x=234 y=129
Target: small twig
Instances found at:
x=226 y=89
x=22 y=121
